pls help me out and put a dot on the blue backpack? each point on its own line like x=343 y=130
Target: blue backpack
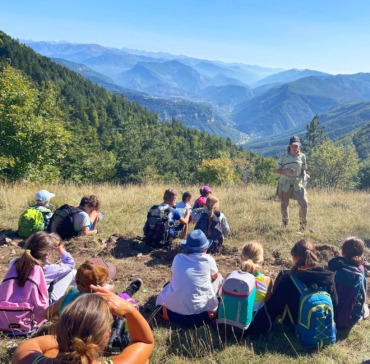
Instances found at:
x=351 y=288
x=237 y=300
x=315 y=325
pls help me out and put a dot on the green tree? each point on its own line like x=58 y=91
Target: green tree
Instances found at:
x=217 y=171
x=314 y=136
x=364 y=174
x=332 y=166
x=32 y=136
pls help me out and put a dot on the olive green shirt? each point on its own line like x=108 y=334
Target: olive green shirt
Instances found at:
x=299 y=164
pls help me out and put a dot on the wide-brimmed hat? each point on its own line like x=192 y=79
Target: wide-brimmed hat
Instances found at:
x=196 y=242
x=111 y=268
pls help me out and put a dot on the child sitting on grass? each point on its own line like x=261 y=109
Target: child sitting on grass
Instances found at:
x=251 y=260
x=190 y=296
x=351 y=283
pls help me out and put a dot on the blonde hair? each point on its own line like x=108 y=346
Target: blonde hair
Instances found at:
x=251 y=257
x=83 y=329
x=212 y=204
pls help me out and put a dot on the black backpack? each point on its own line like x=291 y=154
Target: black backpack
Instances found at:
x=216 y=231
x=158 y=225
x=62 y=222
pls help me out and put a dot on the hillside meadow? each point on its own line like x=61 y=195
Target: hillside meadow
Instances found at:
x=253 y=212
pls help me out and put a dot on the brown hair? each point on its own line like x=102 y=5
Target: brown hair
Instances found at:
x=83 y=329
x=89 y=273
x=91 y=200
x=353 y=249
x=37 y=246
x=186 y=195
x=251 y=257
x=212 y=204
x=305 y=251
x=169 y=194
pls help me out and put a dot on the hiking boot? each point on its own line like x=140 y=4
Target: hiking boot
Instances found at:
x=303 y=225
x=134 y=286
x=285 y=224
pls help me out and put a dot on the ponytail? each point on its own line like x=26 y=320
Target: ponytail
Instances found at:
x=37 y=246
x=212 y=203
x=251 y=257
x=353 y=249
x=305 y=251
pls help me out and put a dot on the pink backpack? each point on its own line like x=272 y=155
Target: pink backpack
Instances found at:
x=21 y=308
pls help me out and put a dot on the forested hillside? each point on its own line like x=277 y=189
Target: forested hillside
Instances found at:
x=56 y=125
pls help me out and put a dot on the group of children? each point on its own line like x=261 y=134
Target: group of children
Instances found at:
x=246 y=301
x=170 y=220
x=67 y=221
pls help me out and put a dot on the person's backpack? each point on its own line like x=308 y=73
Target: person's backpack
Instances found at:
x=315 y=325
x=22 y=308
x=62 y=222
x=217 y=236
x=30 y=221
x=350 y=284
x=157 y=226
x=237 y=300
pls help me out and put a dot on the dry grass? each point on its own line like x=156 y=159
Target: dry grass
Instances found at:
x=253 y=213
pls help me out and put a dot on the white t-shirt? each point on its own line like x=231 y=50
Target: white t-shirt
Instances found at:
x=80 y=220
x=190 y=290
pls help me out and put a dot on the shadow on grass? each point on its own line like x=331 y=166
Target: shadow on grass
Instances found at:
x=125 y=248
x=203 y=341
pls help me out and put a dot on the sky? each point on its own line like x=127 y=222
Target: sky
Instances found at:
x=326 y=35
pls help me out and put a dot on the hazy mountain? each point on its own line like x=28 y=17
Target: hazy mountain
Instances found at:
x=228 y=96
x=192 y=114
x=174 y=74
x=341 y=121
x=293 y=104
x=99 y=57
x=287 y=76
x=85 y=71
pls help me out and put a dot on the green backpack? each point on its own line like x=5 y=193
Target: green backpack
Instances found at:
x=30 y=221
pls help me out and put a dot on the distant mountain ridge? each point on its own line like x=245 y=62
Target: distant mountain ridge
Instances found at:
x=245 y=102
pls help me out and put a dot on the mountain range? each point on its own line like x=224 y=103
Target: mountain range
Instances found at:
x=243 y=102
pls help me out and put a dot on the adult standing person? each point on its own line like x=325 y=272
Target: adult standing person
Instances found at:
x=292 y=168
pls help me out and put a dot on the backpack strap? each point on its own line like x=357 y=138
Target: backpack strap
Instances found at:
x=300 y=285
x=28 y=279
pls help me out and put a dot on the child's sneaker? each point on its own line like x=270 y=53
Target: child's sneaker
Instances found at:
x=134 y=286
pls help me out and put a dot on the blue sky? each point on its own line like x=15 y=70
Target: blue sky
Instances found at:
x=328 y=35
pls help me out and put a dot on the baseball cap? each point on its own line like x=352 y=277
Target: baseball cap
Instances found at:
x=44 y=195
x=206 y=189
x=294 y=140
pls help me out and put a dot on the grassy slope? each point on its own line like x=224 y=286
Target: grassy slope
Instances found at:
x=253 y=213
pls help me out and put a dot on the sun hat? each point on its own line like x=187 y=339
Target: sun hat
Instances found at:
x=294 y=140
x=111 y=268
x=196 y=242
x=44 y=195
